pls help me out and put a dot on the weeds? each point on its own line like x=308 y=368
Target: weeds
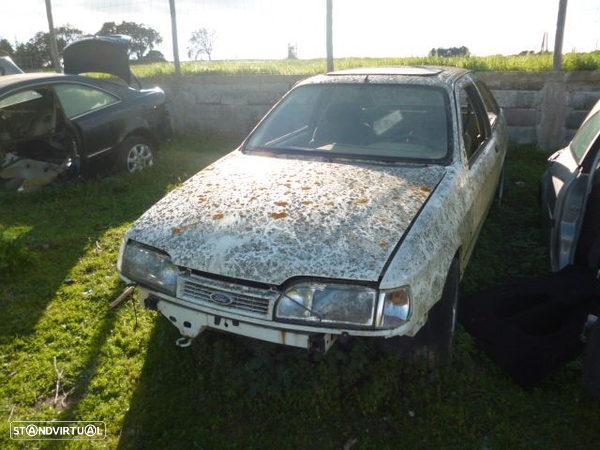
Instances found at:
x=528 y=63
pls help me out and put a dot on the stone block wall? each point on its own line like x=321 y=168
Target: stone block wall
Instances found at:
x=544 y=107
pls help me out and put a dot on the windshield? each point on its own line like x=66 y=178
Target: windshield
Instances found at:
x=405 y=122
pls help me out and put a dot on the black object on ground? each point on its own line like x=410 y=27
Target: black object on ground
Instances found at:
x=591 y=362
x=533 y=327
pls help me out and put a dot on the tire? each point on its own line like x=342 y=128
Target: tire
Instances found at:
x=136 y=154
x=430 y=347
x=442 y=319
x=591 y=362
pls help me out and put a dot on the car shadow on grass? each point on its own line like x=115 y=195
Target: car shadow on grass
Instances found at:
x=58 y=224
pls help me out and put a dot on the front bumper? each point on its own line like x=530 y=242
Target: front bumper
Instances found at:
x=191 y=323
x=192 y=316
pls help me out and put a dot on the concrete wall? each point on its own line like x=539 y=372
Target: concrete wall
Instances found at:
x=540 y=107
x=544 y=107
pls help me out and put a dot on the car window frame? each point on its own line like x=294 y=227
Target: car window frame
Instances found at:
x=481 y=114
x=35 y=88
x=594 y=143
x=588 y=158
x=494 y=107
x=445 y=161
x=52 y=83
x=87 y=85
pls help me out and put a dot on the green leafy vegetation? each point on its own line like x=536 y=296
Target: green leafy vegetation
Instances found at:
x=122 y=366
x=528 y=63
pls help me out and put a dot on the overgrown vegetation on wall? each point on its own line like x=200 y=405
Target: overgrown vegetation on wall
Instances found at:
x=528 y=63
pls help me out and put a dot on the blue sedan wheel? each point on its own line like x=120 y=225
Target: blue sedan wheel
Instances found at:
x=137 y=154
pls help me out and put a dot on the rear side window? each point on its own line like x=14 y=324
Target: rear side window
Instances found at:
x=491 y=107
x=77 y=99
x=585 y=137
x=475 y=127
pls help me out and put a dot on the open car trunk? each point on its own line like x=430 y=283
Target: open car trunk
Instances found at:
x=37 y=143
x=102 y=54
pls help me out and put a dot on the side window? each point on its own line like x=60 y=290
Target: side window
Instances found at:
x=475 y=126
x=30 y=113
x=77 y=99
x=491 y=107
x=585 y=136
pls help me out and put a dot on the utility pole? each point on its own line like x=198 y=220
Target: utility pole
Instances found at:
x=329 y=35
x=175 y=43
x=53 y=46
x=560 y=32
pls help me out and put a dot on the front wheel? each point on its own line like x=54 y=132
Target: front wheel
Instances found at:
x=441 y=323
x=136 y=154
x=430 y=347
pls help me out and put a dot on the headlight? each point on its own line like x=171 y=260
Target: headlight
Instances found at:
x=395 y=307
x=325 y=304
x=148 y=266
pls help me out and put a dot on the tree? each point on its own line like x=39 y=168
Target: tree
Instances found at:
x=30 y=56
x=447 y=52
x=36 y=53
x=154 y=56
x=201 y=43
x=143 y=38
x=5 y=48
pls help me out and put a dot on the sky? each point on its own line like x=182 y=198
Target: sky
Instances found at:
x=262 y=29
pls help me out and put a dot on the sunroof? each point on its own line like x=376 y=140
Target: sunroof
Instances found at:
x=407 y=70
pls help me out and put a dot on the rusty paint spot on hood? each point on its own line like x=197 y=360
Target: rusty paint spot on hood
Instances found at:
x=280 y=215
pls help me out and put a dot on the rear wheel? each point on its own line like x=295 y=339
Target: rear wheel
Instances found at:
x=136 y=154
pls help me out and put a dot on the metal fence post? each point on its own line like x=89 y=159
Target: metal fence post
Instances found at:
x=329 y=35
x=175 y=43
x=560 y=32
x=52 y=37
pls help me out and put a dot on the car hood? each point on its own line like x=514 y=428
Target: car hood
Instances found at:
x=103 y=54
x=270 y=219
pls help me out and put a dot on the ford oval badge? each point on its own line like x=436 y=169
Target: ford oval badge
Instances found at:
x=221 y=298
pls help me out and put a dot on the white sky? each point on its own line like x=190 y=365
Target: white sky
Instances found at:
x=261 y=29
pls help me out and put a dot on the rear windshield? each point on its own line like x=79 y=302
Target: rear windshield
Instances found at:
x=374 y=121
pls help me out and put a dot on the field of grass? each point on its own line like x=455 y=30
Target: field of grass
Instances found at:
x=529 y=63
x=123 y=367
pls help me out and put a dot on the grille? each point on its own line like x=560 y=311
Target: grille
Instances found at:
x=250 y=300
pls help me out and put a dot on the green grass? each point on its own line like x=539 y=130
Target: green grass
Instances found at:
x=225 y=392
x=529 y=63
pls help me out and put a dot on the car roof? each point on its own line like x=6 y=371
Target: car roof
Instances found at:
x=430 y=75
x=12 y=82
